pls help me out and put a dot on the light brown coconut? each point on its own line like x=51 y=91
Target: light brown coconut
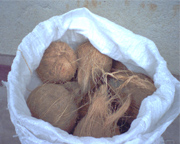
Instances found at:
x=124 y=83
x=91 y=65
x=101 y=119
x=58 y=64
x=54 y=104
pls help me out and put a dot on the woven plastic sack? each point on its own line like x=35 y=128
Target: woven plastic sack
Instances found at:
x=138 y=53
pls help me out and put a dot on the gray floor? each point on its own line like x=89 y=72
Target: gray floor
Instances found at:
x=7 y=131
x=8 y=135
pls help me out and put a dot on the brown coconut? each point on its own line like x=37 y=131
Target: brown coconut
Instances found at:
x=101 y=120
x=91 y=65
x=58 y=64
x=54 y=104
x=137 y=85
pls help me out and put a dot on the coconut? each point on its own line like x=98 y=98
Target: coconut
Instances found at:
x=54 y=104
x=124 y=83
x=91 y=65
x=101 y=120
x=58 y=64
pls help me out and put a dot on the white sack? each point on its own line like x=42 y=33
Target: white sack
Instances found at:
x=138 y=53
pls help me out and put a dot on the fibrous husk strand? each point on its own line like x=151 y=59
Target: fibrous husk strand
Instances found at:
x=100 y=120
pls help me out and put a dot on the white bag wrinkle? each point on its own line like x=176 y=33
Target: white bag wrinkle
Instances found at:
x=138 y=53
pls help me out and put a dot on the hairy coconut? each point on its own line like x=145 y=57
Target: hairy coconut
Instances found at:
x=91 y=65
x=58 y=64
x=101 y=120
x=54 y=104
x=137 y=85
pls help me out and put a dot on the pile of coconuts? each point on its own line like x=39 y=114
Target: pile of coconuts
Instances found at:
x=87 y=93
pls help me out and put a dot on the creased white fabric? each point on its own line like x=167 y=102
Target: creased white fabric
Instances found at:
x=138 y=53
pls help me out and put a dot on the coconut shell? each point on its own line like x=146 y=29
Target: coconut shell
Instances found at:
x=58 y=64
x=91 y=65
x=54 y=104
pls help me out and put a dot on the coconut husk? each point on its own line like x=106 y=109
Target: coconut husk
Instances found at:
x=54 y=104
x=91 y=65
x=124 y=83
x=101 y=120
x=58 y=64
